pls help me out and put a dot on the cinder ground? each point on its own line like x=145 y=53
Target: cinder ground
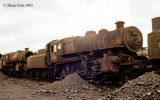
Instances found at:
x=73 y=87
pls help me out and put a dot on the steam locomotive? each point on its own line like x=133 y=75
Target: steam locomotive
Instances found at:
x=103 y=56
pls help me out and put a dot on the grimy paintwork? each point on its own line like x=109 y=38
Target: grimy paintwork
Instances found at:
x=154 y=39
x=16 y=60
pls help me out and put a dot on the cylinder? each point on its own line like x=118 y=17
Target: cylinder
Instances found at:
x=119 y=25
x=156 y=24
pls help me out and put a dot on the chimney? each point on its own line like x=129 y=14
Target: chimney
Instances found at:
x=26 y=49
x=155 y=24
x=119 y=25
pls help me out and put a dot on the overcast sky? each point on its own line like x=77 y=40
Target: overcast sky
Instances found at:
x=47 y=20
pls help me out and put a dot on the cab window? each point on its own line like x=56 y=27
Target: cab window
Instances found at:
x=59 y=45
x=55 y=48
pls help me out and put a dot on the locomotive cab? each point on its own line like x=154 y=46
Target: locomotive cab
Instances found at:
x=54 y=51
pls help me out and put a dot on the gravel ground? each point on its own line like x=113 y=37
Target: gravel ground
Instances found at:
x=73 y=87
x=145 y=87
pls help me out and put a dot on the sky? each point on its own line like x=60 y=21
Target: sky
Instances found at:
x=46 y=20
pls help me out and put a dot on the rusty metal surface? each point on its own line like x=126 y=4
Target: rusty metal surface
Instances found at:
x=112 y=39
x=55 y=57
x=90 y=33
x=156 y=24
x=91 y=41
x=154 y=39
x=19 y=56
x=132 y=38
x=154 y=45
x=68 y=44
x=84 y=43
x=36 y=61
x=129 y=37
x=119 y=25
x=107 y=63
